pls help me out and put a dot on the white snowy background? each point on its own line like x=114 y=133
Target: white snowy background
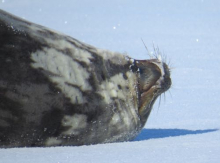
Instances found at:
x=185 y=126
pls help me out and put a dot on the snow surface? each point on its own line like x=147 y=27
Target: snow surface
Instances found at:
x=185 y=126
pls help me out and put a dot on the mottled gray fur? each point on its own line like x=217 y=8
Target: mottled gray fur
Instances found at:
x=55 y=90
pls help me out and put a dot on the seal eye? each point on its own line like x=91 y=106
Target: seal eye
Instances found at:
x=141 y=71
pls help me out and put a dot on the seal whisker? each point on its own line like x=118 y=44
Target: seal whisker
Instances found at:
x=154 y=51
x=159 y=101
x=148 y=52
x=164 y=96
x=170 y=93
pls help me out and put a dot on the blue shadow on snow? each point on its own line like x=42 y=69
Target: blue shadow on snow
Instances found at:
x=163 y=133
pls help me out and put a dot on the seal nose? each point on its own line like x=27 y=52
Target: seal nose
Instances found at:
x=166 y=82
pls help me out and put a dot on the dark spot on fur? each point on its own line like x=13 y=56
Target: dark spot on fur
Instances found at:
x=133 y=67
x=52 y=122
x=119 y=87
x=14 y=118
x=125 y=76
x=103 y=76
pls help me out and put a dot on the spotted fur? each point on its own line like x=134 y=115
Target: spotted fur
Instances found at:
x=56 y=90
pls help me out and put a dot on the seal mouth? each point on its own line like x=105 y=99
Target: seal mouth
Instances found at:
x=153 y=80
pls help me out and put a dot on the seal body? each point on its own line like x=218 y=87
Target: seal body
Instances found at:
x=56 y=90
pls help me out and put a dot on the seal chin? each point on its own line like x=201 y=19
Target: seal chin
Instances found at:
x=153 y=80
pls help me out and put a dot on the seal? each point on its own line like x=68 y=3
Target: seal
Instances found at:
x=58 y=91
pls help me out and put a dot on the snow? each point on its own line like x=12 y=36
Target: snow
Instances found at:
x=184 y=127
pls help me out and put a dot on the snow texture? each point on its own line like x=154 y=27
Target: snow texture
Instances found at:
x=185 y=126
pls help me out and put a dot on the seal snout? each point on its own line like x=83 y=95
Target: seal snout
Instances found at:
x=159 y=75
x=166 y=80
x=153 y=74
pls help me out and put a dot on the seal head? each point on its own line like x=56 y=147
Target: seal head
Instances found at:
x=153 y=80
